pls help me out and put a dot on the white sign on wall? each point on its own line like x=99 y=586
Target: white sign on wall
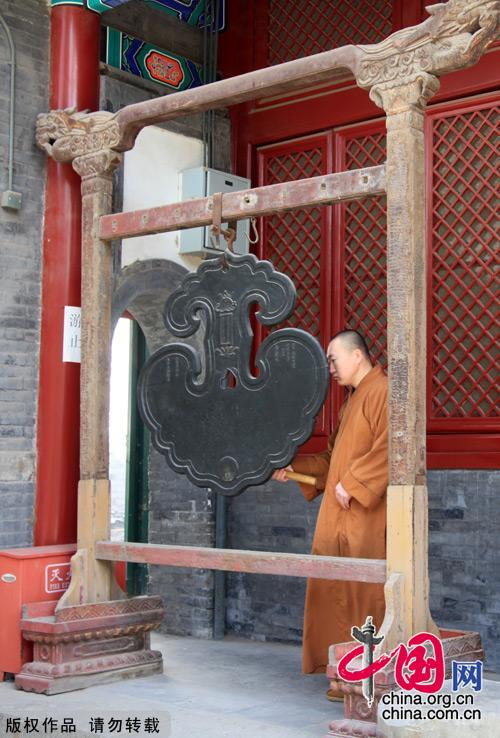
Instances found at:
x=72 y=333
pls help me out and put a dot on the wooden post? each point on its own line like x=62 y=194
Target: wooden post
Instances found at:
x=407 y=528
x=92 y=580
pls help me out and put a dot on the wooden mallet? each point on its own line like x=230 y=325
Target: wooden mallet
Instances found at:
x=304 y=478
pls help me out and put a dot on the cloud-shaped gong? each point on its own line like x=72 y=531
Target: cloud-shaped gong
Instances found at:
x=217 y=416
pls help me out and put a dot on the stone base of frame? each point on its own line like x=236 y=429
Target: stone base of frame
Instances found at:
x=85 y=645
x=359 y=720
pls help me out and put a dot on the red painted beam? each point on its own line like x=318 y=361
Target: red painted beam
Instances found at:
x=276 y=198
x=255 y=562
x=74 y=79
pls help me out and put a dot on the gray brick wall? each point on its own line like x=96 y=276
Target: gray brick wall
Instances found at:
x=464 y=554
x=464 y=557
x=20 y=265
x=181 y=514
x=273 y=517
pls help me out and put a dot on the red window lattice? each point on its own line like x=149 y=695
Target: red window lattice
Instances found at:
x=464 y=327
x=293 y=240
x=462 y=236
x=303 y=27
x=296 y=242
x=363 y=242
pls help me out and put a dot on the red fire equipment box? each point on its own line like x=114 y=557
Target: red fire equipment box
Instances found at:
x=37 y=574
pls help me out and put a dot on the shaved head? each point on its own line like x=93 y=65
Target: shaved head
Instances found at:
x=348 y=358
x=353 y=340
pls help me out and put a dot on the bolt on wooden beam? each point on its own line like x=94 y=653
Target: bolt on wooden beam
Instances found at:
x=278 y=198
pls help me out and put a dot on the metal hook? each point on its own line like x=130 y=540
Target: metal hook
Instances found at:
x=253 y=226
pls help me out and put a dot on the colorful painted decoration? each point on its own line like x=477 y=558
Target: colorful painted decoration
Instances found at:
x=145 y=60
x=188 y=11
x=98 y=6
x=151 y=62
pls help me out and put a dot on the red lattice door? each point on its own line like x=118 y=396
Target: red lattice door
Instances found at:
x=298 y=242
x=463 y=306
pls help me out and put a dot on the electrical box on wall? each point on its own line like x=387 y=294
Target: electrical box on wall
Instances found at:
x=203 y=182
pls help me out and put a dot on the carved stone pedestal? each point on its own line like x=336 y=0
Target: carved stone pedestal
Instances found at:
x=359 y=720
x=84 y=645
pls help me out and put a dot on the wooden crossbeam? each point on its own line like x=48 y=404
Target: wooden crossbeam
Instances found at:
x=299 y=74
x=255 y=562
x=278 y=198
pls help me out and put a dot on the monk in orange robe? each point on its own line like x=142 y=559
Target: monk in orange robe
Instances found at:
x=352 y=474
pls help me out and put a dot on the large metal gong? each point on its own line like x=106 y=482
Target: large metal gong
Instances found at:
x=219 y=416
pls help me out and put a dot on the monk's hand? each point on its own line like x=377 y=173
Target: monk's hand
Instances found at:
x=279 y=475
x=343 y=497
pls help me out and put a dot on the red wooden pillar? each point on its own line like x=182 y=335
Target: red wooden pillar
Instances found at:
x=74 y=80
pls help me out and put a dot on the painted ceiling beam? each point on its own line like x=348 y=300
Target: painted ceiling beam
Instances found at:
x=98 y=6
x=156 y=27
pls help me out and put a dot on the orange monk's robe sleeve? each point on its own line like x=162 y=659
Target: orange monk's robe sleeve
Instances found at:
x=316 y=466
x=368 y=475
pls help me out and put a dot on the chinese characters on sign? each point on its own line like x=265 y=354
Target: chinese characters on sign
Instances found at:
x=57 y=577
x=98 y=725
x=72 y=334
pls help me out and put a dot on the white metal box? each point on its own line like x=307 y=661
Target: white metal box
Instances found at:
x=203 y=182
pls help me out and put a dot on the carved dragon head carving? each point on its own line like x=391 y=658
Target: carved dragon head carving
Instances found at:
x=454 y=37
x=67 y=134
